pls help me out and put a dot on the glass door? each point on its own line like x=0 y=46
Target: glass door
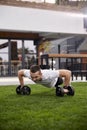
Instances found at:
x=15 y=55
x=3 y=57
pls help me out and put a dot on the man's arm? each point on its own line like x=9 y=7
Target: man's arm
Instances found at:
x=67 y=76
x=20 y=77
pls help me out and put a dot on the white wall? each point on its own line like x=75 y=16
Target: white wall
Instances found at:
x=29 y=19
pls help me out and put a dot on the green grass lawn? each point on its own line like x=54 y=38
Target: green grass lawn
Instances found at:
x=43 y=110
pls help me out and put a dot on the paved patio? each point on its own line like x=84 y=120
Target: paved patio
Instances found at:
x=14 y=81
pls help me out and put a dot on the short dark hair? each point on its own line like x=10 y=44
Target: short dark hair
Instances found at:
x=34 y=68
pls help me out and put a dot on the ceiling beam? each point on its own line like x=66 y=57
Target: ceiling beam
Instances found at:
x=19 y=35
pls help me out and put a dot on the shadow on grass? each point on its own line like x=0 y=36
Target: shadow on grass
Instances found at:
x=48 y=95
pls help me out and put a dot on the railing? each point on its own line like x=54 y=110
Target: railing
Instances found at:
x=72 y=3
x=79 y=69
x=11 y=68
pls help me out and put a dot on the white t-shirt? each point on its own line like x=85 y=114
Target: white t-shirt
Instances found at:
x=49 y=77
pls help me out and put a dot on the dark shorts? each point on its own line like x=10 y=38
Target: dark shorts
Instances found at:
x=59 y=81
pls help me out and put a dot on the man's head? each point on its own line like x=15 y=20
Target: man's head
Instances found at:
x=35 y=73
